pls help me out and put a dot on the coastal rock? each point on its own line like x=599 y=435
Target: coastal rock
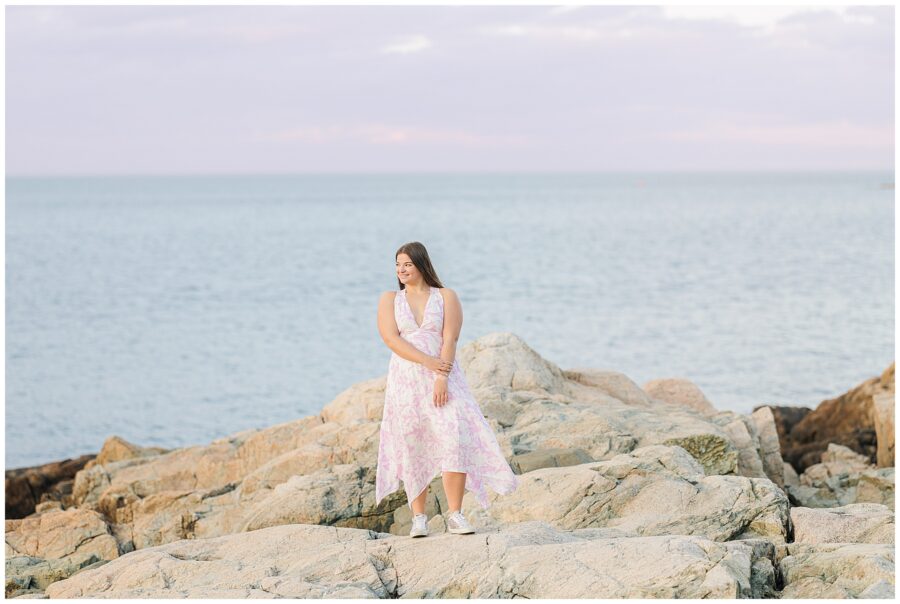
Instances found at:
x=46 y=547
x=504 y=359
x=116 y=448
x=743 y=436
x=541 y=409
x=680 y=391
x=655 y=490
x=854 y=523
x=791 y=478
x=27 y=487
x=843 y=477
x=769 y=445
x=59 y=534
x=27 y=576
x=604 y=427
x=362 y=402
x=617 y=385
x=225 y=460
x=876 y=486
x=845 y=420
x=837 y=570
x=717 y=455
x=230 y=484
x=326 y=497
x=883 y=418
x=548 y=458
x=837 y=459
x=609 y=478
x=786 y=417
x=309 y=561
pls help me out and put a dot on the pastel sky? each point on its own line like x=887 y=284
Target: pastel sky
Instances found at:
x=246 y=89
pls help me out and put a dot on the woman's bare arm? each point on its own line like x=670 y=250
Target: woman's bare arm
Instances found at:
x=452 y=324
x=390 y=333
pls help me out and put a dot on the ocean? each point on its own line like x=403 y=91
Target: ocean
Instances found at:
x=173 y=310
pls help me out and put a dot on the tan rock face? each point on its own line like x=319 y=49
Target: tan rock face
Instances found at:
x=838 y=570
x=548 y=458
x=854 y=523
x=769 y=445
x=305 y=561
x=29 y=577
x=116 y=449
x=503 y=359
x=28 y=487
x=883 y=417
x=616 y=385
x=53 y=545
x=654 y=490
x=791 y=478
x=57 y=534
x=224 y=461
x=846 y=420
x=679 y=391
x=362 y=402
x=842 y=478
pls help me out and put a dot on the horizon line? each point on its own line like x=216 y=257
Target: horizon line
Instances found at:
x=443 y=173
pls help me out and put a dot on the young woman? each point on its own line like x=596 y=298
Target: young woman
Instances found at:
x=431 y=423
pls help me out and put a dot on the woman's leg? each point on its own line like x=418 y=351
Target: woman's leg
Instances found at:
x=418 y=504
x=454 y=488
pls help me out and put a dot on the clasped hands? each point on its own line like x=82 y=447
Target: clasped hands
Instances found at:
x=442 y=369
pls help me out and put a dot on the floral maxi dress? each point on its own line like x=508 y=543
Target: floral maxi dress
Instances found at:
x=418 y=439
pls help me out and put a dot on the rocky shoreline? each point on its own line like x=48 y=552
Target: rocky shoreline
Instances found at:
x=613 y=476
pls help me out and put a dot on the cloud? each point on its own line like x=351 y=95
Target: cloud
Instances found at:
x=383 y=134
x=766 y=18
x=837 y=133
x=566 y=8
x=408 y=45
x=556 y=32
x=601 y=86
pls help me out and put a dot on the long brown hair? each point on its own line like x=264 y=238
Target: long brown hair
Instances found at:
x=419 y=256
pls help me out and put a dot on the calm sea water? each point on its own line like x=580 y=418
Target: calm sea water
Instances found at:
x=175 y=310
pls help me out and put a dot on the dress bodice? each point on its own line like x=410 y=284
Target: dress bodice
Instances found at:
x=427 y=337
x=432 y=315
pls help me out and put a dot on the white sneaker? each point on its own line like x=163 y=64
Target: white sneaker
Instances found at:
x=419 y=526
x=457 y=524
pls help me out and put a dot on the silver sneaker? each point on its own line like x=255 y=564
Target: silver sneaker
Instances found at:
x=419 y=526
x=457 y=524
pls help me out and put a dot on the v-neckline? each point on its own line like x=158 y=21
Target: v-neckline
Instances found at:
x=424 y=309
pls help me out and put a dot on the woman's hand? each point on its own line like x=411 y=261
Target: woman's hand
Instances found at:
x=440 y=391
x=438 y=365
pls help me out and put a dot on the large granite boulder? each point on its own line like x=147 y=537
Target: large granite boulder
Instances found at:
x=883 y=417
x=769 y=445
x=116 y=448
x=847 y=420
x=226 y=460
x=679 y=391
x=26 y=487
x=524 y=560
x=841 y=478
x=54 y=544
x=837 y=570
x=854 y=523
x=655 y=490
x=614 y=384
